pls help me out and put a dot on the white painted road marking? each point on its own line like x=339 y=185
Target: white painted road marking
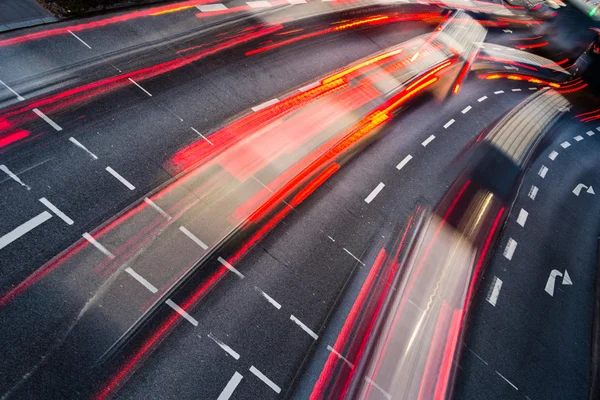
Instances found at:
x=552 y=280
x=510 y=248
x=141 y=280
x=269 y=298
x=230 y=267
x=19 y=97
x=507 y=31
x=516 y=90
x=203 y=137
x=194 y=238
x=481 y=99
x=78 y=144
x=466 y=109
x=138 y=85
x=120 y=178
x=376 y=386
x=341 y=357
x=259 y=4
x=24 y=228
x=56 y=211
x=212 y=7
x=532 y=88
x=494 y=292
x=227 y=349
x=403 y=162
x=80 y=39
x=533 y=192
x=14 y=177
x=447 y=124
x=428 y=140
x=296 y=1
x=353 y=256
x=499 y=92
x=97 y=245
x=310 y=85
x=543 y=171
x=590 y=133
x=553 y=155
x=578 y=138
x=181 y=312
x=304 y=327
x=266 y=103
x=509 y=382
x=47 y=119
x=231 y=386
x=565 y=144
x=374 y=192
x=522 y=218
x=157 y=208
x=266 y=380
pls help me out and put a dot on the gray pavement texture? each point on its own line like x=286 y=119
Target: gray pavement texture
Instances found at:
x=15 y=14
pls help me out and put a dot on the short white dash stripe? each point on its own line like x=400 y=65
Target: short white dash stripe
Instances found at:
x=212 y=7
x=578 y=138
x=47 y=119
x=181 y=312
x=22 y=229
x=341 y=357
x=499 y=92
x=230 y=267
x=296 y=1
x=78 y=144
x=138 y=85
x=482 y=99
x=532 y=88
x=403 y=163
x=265 y=104
x=19 y=97
x=141 y=280
x=522 y=218
x=428 y=140
x=374 y=192
x=259 y=4
x=310 y=85
x=12 y=176
x=266 y=380
x=510 y=248
x=97 y=245
x=227 y=349
x=80 y=39
x=124 y=181
x=304 y=327
x=353 y=256
x=509 y=382
x=330 y=238
x=553 y=155
x=466 y=109
x=543 y=171
x=202 y=136
x=590 y=133
x=533 y=192
x=598 y=129
x=230 y=387
x=376 y=386
x=194 y=238
x=516 y=90
x=269 y=298
x=56 y=211
x=565 y=144
x=157 y=208
x=447 y=124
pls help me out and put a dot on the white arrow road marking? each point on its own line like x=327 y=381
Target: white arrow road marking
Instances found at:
x=590 y=190
x=578 y=188
x=567 y=279
x=550 y=283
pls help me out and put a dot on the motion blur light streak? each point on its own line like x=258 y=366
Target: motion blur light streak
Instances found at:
x=505 y=61
x=515 y=77
x=531 y=46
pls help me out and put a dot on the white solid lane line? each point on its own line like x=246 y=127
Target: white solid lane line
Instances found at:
x=230 y=267
x=428 y=140
x=447 y=124
x=499 y=92
x=157 y=208
x=124 y=181
x=19 y=97
x=341 y=357
x=203 y=137
x=231 y=386
x=565 y=144
x=56 y=211
x=304 y=327
x=80 y=39
x=181 y=312
x=222 y=345
x=522 y=218
x=269 y=298
x=543 y=171
x=47 y=119
x=481 y=99
x=533 y=192
x=193 y=237
x=509 y=382
x=138 y=85
x=212 y=7
x=553 y=155
x=259 y=4
x=78 y=144
x=374 y=193
x=466 y=109
x=578 y=138
x=353 y=256
x=266 y=103
x=403 y=162
x=590 y=133
x=141 y=280
x=510 y=248
x=12 y=176
x=494 y=292
x=376 y=386
x=516 y=90
x=266 y=380
x=97 y=245
x=24 y=228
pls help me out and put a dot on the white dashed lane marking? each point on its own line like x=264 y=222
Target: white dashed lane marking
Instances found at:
x=181 y=312
x=97 y=245
x=565 y=144
x=310 y=85
x=13 y=176
x=304 y=327
x=19 y=97
x=78 y=144
x=532 y=88
x=230 y=267
x=466 y=109
x=157 y=208
x=516 y=90
x=194 y=238
x=265 y=104
x=403 y=162
x=447 y=124
x=522 y=218
x=533 y=192
x=482 y=99
x=138 y=85
x=376 y=386
x=353 y=256
x=226 y=348
x=494 y=292
x=374 y=193
x=578 y=138
x=428 y=140
x=499 y=92
x=590 y=133
x=553 y=155
x=543 y=171
x=510 y=248
x=124 y=181
x=259 y=4
x=47 y=119
x=24 y=228
x=341 y=357
x=56 y=211
x=202 y=136
x=231 y=386
x=509 y=382
x=269 y=299
x=266 y=380
x=80 y=39
x=141 y=280
x=212 y=7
